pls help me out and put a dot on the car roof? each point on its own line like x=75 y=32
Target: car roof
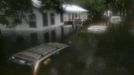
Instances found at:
x=35 y=53
x=115 y=17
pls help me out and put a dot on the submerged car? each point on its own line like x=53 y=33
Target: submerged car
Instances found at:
x=30 y=56
x=98 y=29
x=115 y=19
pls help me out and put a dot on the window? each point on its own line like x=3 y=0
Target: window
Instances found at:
x=52 y=18
x=53 y=35
x=76 y=15
x=34 y=37
x=45 y=19
x=32 y=20
x=46 y=37
x=61 y=17
x=62 y=31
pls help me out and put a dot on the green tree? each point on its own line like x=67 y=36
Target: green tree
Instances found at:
x=55 y=4
x=16 y=10
x=124 y=7
x=96 y=7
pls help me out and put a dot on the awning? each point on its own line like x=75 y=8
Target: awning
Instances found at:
x=73 y=8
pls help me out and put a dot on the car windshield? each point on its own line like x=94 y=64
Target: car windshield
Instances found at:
x=22 y=61
x=25 y=57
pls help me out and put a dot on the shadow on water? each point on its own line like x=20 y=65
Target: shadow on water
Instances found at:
x=8 y=46
x=106 y=54
x=117 y=49
x=13 y=43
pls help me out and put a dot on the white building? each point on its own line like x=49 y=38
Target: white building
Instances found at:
x=74 y=14
x=46 y=26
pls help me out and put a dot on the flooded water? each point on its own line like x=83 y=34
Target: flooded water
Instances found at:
x=89 y=54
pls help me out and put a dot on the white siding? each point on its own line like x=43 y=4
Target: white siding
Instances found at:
x=83 y=16
x=25 y=30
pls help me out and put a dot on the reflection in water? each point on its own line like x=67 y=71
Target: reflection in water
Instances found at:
x=100 y=64
x=106 y=54
x=89 y=61
x=53 y=71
